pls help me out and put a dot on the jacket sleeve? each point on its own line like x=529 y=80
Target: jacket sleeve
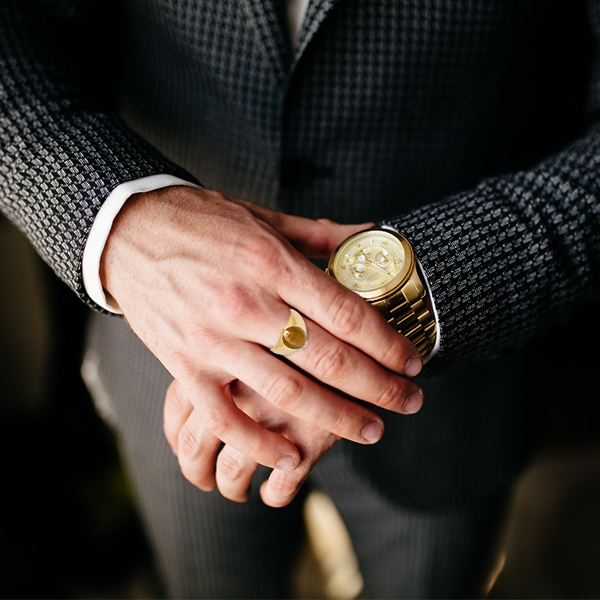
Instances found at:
x=62 y=147
x=509 y=258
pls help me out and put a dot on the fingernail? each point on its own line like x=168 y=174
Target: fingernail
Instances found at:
x=372 y=431
x=413 y=366
x=414 y=402
x=287 y=463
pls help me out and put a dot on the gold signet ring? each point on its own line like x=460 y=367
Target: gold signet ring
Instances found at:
x=293 y=337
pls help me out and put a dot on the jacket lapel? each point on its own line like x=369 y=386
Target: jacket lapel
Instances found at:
x=315 y=15
x=270 y=19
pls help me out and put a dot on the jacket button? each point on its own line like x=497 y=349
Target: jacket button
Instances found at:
x=298 y=173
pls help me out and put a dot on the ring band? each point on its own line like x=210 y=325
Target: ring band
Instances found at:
x=293 y=337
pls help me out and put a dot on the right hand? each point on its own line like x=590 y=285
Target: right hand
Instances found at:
x=206 y=282
x=230 y=470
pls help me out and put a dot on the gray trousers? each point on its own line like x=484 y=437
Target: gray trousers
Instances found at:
x=209 y=547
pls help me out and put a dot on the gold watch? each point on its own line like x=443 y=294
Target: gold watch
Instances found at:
x=379 y=265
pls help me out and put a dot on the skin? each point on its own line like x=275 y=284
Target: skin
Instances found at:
x=206 y=282
x=233 y=470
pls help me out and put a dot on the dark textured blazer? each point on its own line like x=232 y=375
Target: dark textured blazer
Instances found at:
x=470 y=125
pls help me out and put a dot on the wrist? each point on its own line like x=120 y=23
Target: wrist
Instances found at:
x=130 y=223
x=102 y=226
x=379 y=264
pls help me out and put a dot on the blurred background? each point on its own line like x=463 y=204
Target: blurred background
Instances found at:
x=68 y=524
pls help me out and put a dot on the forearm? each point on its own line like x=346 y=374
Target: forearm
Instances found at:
x=507 y=258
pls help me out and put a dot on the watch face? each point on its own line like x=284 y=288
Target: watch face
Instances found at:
x=369 y=261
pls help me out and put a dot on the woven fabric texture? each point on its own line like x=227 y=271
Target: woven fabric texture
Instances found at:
x=386 y=110
x=62 y=150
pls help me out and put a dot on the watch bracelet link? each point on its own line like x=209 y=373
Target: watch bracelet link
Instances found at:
x=411 y=319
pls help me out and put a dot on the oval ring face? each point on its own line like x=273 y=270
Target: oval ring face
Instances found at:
x=294 y=337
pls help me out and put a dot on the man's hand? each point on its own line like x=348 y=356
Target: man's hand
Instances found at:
x=232 y=471
x=206 y=282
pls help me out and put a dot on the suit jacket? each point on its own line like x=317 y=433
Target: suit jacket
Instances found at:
x=470 y=126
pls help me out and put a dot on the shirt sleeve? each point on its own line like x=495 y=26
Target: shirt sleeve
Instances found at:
x=430 y=301
x=101 y=228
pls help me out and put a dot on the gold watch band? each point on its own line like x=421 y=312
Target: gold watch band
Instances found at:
x=405 y=310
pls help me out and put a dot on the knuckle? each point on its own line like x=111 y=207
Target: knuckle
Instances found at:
x=231 y=467
x=217 y=421
x=344 y=419
x=286 y=275
x=262 y=252
x=398 y=352
x=283 y=391
x=284 y=484
x=331 y=361
x=394 y=354
x=239 y=303
x=345 y=314
x=188 y=442
x=391 y=395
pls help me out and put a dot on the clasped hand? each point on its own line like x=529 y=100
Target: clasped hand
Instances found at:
x=206 y=281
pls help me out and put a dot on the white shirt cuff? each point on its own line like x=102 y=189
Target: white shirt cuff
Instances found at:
x=431 y=302
x=102 y=225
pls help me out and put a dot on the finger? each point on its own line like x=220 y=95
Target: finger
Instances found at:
x=215 y=411
x=340 y=365
x=314 y=238
x=281 y=487
x=345 y=315
x=294 y=393
x=177 y=409
x=234 y=474
x=343 y=367
x=197 y=450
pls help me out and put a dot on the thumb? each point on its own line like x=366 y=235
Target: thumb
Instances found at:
x=313 y=238
x=317 y=238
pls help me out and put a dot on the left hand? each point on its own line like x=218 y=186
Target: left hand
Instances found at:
x=233 y=470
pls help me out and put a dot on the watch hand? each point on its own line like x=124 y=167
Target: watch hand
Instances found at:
x=377 y=267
